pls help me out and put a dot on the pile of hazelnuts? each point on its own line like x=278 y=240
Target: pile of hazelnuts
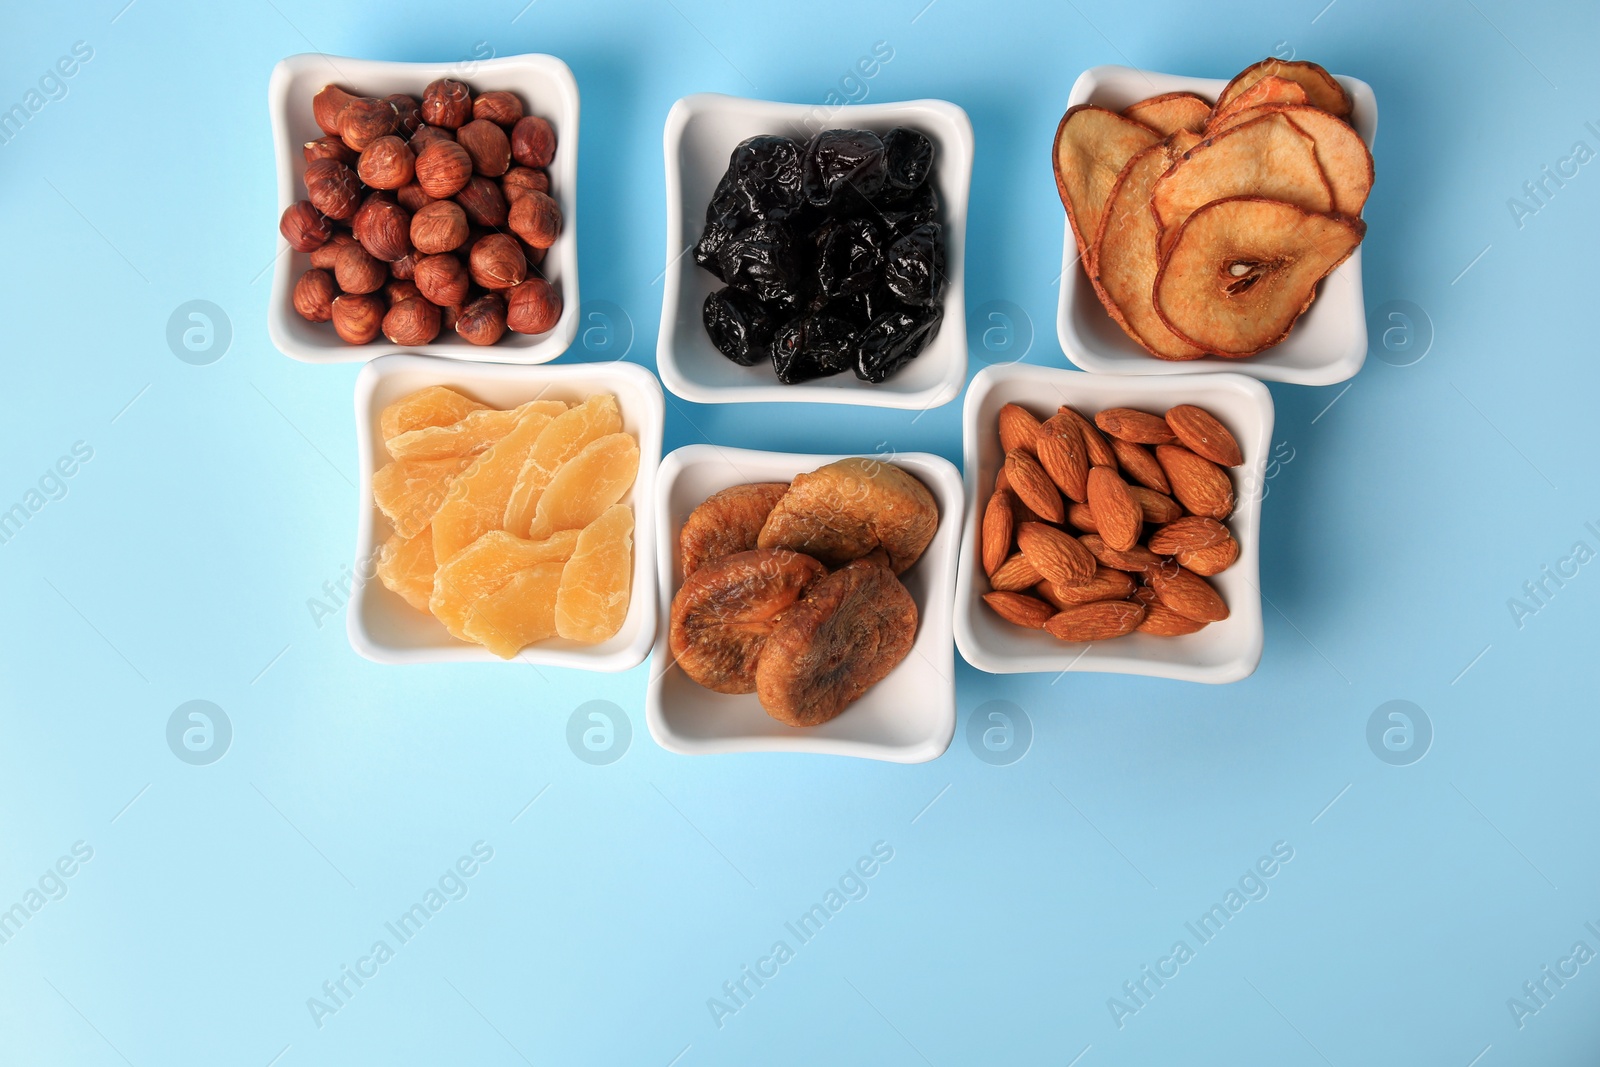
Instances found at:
x=424 y=217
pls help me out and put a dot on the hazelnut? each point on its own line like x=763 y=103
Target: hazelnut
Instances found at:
x=358 y=271
x=313 y=295
x=488 y=146
x=304 y=227
x=496 y=262
x=532 y=307
x=442 y=279
x=533 y=142
x=407 y=113
x=441 y=226
x=483 y=202
x=396 y=290
x=448 y=316
x=364 y=120
x=386 y=163
x=383 y=227
x=519 y=181
x=446 y=103
x=333 y=188
x=443 y=168
x=536 y=219
x=404 y=268
x=327 y=105
x=498 y=106
x=412 y=198
x=329 y=148
x=326 y=257
x=357 y=318
x=483 y=322
x=427 y=135
x=411 y=322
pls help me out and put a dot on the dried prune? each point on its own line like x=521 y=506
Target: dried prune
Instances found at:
x=851 y=507
x=766 y=173
x=849 y=256
x=914 y=266
x=739 y=325
x=908 y=157
x=845 y=635
x=860 y=309
x=709 y=247
x=813 y=346
x=842 y=163
x=900 y=215
x=722 y=614
x=727 y=522
x=894 y=339
x=762 y=260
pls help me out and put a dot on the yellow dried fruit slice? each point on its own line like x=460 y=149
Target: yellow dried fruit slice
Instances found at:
x=410 y=491
x=593 y=599
x=405 y=566
x=1269 y=90
x=1322 y=89
x=517 y=614
x=476 y=503
x=1092 y=145
x=587 y=484
x=564 y=438
x=1170 y=112
x=469 y=436
x=437 y=405
x=485 y=566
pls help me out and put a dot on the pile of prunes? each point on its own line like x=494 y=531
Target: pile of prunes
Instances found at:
x=831 y=253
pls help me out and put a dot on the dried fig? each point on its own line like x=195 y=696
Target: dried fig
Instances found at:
x=846 y=509
x=722 y=614
x=728 y=522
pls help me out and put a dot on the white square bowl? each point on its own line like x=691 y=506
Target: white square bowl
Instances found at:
x=1327 y=345
x=547 y=89
x=382 y=626
x=1222 y=652
x=908 y=717
x=701 y=132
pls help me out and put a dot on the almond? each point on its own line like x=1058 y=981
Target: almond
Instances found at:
x=1020 y=608
x=1063 y=458
x=1017 y=428
x=1058 y=558
x=1199 y=484
x=1136 y=560
x=1100 y=621
x=1140 y=464
x=1094 y=443
x=1000 y=480
x=1204 y=435
x=1213 y=559
x=1021 y=513
x=1131 y=424
x=1188 y=594
x=997 y=526
x=1187 y=534
x=1157 y=507
x=1117 y=515
x=1033 y=486
x=1014 y=575
x=1107 y=584
x=1162 y=621
x=1082 y=516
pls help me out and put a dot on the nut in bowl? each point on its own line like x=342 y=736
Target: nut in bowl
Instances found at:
x=435 y=214
x=1168 y=582
x=506 y=513
x=1169 y=177
x=834 y=637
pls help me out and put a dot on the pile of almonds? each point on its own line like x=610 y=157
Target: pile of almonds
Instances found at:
x=407 y=215
x=1098 y=529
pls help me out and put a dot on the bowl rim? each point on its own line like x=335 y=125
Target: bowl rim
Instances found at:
x=678 y=264
x=537 y=349
x=1246 y=528
x=446 y=371
x=944 y=481
x=1346 y=357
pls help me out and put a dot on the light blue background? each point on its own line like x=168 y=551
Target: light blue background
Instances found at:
x=179 y=565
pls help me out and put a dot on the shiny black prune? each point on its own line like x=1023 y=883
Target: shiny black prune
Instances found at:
x=862 y=308
x=914 y=267
x=908 y=158
x=738 y=325
x=710 y=245
x=813 y=346
x=894 y=339
x=762 y=260
x=766 y=176
x=902 y=214
x=843 y=167
x=849 y=257
x=727 y=206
